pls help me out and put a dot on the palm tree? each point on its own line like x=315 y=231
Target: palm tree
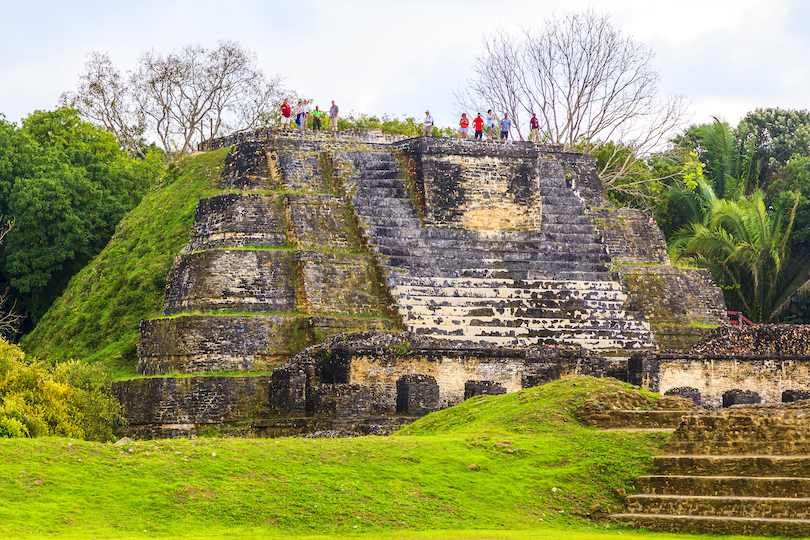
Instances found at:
x=744 y=246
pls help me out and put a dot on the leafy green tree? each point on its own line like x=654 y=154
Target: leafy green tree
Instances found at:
x=745 y=247
x=65 y=183
x=776 y=135
x=392 y=125
x=69 y=400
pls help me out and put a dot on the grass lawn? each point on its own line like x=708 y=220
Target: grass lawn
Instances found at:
x=514 y=466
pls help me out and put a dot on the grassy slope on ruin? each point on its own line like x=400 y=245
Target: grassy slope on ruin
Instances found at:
x=445 y=473
x=96 y=319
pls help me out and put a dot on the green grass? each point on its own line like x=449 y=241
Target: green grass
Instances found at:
x=417 y=484
x=96 y=319
x=485 y=469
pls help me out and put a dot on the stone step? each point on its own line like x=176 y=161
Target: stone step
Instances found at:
x=702 y=505
x=562 y=210
x=441 y=265
x=367 y=205
x=741 y=465
x=576 y=332
x=383 y=192
x=603 y=344
x=717 y=486
x=379 y=226
x=463 y=296
x=589 y=327
x=554 y=190
x=399 y=211
x=783 y=447
x=394 y=223
x=445 y=250
x=497 y=284
x=395 y=246
x=562 y=199
x=566 y=228
x=718 y=525
x=621 y=418
x=449 y=306
x=504 y=273
x=551 y=216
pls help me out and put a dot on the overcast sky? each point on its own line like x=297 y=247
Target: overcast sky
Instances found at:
x=727 y=57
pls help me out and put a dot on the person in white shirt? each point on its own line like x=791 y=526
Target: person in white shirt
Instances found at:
x=428 y=131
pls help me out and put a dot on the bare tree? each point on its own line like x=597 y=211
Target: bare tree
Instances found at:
x=181 y=98
x=194 y=93
x=104 y=97
x=10 y=319
x=587 y=84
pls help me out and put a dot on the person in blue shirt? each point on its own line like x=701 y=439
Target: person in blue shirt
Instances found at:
x=505 y=125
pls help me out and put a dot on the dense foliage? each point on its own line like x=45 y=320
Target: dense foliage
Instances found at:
x=68 y=400
x=96 y=318
x=737 y=213
x=65 y=184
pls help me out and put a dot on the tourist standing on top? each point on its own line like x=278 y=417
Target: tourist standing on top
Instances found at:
x=304 y=116
x=299 y=112
x=333 y=116
x=316 y=118
x=478 y=124
x=491 y=120
x=534 y=125
x=428 y=125
x=463 y=126
x=285 y=114
x=505 y=125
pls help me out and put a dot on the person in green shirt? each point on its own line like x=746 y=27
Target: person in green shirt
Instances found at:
x=316 y=118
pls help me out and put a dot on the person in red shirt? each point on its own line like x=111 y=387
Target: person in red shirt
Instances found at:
x=534 y=125
x=463 y=125
x=478 y=123
x=285 y=114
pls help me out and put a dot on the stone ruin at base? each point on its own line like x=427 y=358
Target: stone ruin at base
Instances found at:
x=501 y=266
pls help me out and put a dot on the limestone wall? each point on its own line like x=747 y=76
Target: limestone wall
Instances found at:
x=169 y=406
x=197 y=344
x=231 y=279
x=763 y=361
x=470 y=185
x=680 y=304
x=236 y=220
x=379 y=363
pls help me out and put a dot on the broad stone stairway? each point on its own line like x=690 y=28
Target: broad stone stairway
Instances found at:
x=498 y=287
x=743 y=470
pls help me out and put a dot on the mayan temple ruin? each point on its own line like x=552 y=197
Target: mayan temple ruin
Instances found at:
x=499 y=266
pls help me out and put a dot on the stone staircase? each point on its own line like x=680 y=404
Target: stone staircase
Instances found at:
x=743 y=470
x=500 y=287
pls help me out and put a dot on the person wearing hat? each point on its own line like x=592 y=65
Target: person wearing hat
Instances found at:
x=428 y=131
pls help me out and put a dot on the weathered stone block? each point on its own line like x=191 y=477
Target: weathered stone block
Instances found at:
x=417 y=395
x=482 y=388
x=236 y=220
x=190 y=400
x=338 y=283
x=288 y=391
x=476 y=187
x=740 y=397
x=685 y=392
x=322 y=223
x=789 y=396
x=231 y=279
x=195 y=344
x=249 y=167
x=341 y=400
